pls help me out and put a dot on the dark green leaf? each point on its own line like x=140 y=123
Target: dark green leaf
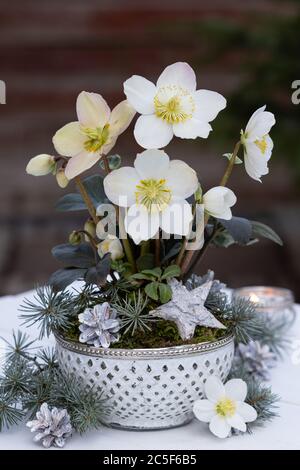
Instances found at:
x=79 y=256
x=171 y=271
x=94 y=187
x=223 y=239
x=64 y=277
x=98 y=274
x=165 y=293
x=261 y=230
x=70 y=202
x=142 y=277
x=173 y=251
x=152 y=290
x=145 y=262
x=239 y=228
x=155 y=272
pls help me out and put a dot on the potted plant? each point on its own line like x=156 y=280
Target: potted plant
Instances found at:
x=142 y=329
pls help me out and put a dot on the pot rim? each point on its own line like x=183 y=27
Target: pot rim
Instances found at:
x=153 y=353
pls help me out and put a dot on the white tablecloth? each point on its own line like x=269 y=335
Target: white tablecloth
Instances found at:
x=282 y=433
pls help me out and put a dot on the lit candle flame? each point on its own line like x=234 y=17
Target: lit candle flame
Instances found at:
x=254 y=298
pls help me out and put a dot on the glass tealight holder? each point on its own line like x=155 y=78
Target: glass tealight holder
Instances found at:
x=275 y=302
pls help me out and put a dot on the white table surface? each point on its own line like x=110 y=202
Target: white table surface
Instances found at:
x=282 y=433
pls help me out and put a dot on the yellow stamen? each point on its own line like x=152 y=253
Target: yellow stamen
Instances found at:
x=262 y=144
x=168 y=104
x=225 y=407
x=153 y=194
x=96 y=137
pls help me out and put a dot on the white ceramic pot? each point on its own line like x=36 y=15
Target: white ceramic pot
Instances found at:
x=147 y=388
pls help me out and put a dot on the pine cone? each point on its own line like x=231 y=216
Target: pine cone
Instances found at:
x=99 y=325
x=257 y=359
x=53 y=426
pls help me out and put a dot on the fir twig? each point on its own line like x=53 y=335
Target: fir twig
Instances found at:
x=242 y=318
x=85 y=407
x=275 y=335
x=21 y=346
x=51 y=310
x=260 y=397
x=9 y=413
x=133 y=314
x=16 y=377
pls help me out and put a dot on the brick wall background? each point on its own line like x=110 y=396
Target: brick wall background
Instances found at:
x=50 y=51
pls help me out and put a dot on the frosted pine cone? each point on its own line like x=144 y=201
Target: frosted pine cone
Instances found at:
x=257 y=359
x=195 y=281
x=99 y=326
x=53 y=427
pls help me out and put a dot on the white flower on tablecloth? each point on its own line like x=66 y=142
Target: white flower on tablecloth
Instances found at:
x=218 y=201
x=111 y=245
x=41 y=165
x=171 y=107
x=224 y=407
x=257 y=143
x=94 y=134
x=155 y=192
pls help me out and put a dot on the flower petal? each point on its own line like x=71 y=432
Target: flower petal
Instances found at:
x=246 y=411
x=110 y=143
x=217 y=202
x=92 y=110
x=214 y=389
x=253 y=171
x=208 y=104
x=152 y=163
x=256 y=163
x=80 y=163
x=204 y=410
x=219 y=427
x=120 y=118
x=140 y=93
x=119 y=186
x=152 y=132
x=237 y=422
x=236 y=389
x=181 y=179
x=259 y=124
x=191 y=129
x=69 y=140
x=176 y=218
x=180 y=74
x=141 y=224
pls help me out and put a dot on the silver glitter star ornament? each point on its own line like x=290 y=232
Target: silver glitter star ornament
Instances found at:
x=187 y=309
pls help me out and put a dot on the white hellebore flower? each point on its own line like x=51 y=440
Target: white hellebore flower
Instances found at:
x=41 y=165
x=257 y=143
x=171 y=107
x=154 y=191
x=225 y=406
x=111 y=245
x=218 y=201
x=94 y=134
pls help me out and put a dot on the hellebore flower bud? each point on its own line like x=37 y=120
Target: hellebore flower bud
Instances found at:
x=75 y=238
x=41 y=165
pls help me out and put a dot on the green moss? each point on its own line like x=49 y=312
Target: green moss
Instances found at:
x=163 y=334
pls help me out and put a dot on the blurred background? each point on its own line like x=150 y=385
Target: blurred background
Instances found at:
x=52 y=50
